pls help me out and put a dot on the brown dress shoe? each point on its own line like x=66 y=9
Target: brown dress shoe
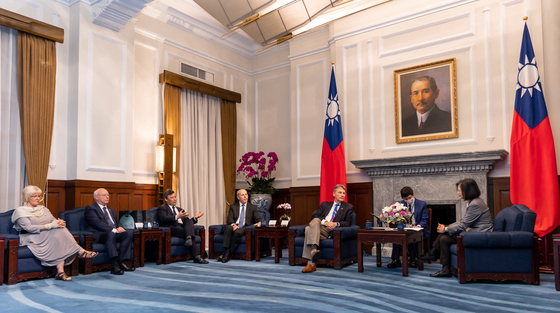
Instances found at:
x=309 y=268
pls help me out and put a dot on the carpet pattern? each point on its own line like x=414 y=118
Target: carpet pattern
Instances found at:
x=241 y=286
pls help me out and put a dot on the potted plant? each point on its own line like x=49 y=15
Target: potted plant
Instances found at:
x=257 y=169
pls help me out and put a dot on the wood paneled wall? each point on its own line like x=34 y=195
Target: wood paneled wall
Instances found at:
x=124 y=196
x=305 y=200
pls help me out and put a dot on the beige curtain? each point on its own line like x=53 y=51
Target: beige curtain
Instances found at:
x=229 y=148
x=36 y=89
x=172 y=116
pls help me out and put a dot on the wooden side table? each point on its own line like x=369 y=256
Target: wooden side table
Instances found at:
x=556 y=248
x=400 y=237
x=150 y=234
x=270 y=232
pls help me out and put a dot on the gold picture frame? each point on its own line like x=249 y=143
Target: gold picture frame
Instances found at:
x=415 y=97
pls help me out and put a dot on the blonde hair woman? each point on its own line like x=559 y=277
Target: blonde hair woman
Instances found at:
x=47 y=237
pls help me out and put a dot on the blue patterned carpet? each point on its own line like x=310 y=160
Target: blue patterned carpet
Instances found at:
x=241 y=286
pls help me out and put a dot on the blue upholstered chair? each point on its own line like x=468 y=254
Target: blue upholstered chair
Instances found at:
x=509 y=252
x=338 y=251
x=173 y=247
x=75 y=222
x=19 y=263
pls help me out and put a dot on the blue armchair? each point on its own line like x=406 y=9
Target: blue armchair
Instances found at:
x=338 y=251
x=19 y=262
x=509 y=252
x=173 y=247
x=75 y=222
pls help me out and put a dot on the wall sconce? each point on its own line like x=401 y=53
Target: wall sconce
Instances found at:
x=160 y=157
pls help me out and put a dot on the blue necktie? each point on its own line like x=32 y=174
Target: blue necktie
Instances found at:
x=242 y=216
x=334 y=213
x=109 y=220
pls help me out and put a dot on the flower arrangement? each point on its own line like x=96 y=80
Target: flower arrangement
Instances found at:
x=255 y=168
x=287 y=207
x=396 y=213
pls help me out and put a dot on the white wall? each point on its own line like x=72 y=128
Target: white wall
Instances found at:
x=108 y=103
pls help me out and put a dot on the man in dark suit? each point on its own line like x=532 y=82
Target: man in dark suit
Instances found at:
x=421 y=218
x=102 y=221
x=428 y=118
x=329 y=216
x=240 y=214
x=169 y=215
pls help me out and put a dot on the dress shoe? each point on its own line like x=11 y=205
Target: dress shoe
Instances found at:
x=225 y=258
x=394 y=264
x=428 y=257
x=315 y=255
x=413 y=264
x=117 y=271
x=127 y=268
x=442 y=273
x=219 y=259
x=188 y=242
x=309 y=268
x=200 y=260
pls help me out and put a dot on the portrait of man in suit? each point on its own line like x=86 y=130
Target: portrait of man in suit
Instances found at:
x=102 y=221
x=240 y=215
x=425 y=102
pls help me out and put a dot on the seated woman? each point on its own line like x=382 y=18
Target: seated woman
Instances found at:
x=476 y=217
x=47 y=237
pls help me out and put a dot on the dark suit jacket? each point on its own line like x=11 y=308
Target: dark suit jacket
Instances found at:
x=96 y=221
x=252 y=215
x=344 y=215
x=421 y=215
x=166 y=217
x=438 y=121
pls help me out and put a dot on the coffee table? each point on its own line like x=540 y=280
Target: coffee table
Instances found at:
x=150 y=234
x=275 y=232
x=401 y=237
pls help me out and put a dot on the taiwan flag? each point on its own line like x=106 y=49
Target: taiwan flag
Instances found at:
x=333 y=162
x=534 y=176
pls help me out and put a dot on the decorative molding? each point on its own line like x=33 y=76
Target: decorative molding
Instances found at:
x=89 y=104
x=257 y=104
x=488 y=69
x=115 y=14
x=400 y=19
x=237 y=42
x=439 y=143
x=323 y=62
x=271 y=68
x=358 y=47
x=308 y=53
x=370 y=94
x=148 y=34
x=439 y=164
x=145 y=174
x=469 y=33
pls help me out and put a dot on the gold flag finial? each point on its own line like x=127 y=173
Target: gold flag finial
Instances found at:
x=525 y=18
x=332 y=63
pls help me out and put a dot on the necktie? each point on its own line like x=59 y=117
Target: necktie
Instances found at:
x=109 y=220
x=335 y=210
x=180 y=221
x=242 y=216
x=421 y=124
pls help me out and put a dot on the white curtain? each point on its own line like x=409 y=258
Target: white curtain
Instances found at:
x=201 y=178
x=12 y=165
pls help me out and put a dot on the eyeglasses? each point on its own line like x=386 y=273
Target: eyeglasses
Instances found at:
x=105 y=195
x=35 y=196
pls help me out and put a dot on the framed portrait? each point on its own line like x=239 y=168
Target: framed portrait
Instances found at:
x=426 y=102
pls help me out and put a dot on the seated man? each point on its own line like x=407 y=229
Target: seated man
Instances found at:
x=102 y=221
x=420 y=219
x=180 y=224
x=329 y=216
x=240 y=214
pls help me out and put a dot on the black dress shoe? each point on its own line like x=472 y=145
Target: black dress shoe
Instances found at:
x=413 y=264
x=127 y=268
x=442 y=274
x=394 y=264
x=219 y=259
x=225 y=258
x=200 y=260
x=117 y=271
x=428 y=257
